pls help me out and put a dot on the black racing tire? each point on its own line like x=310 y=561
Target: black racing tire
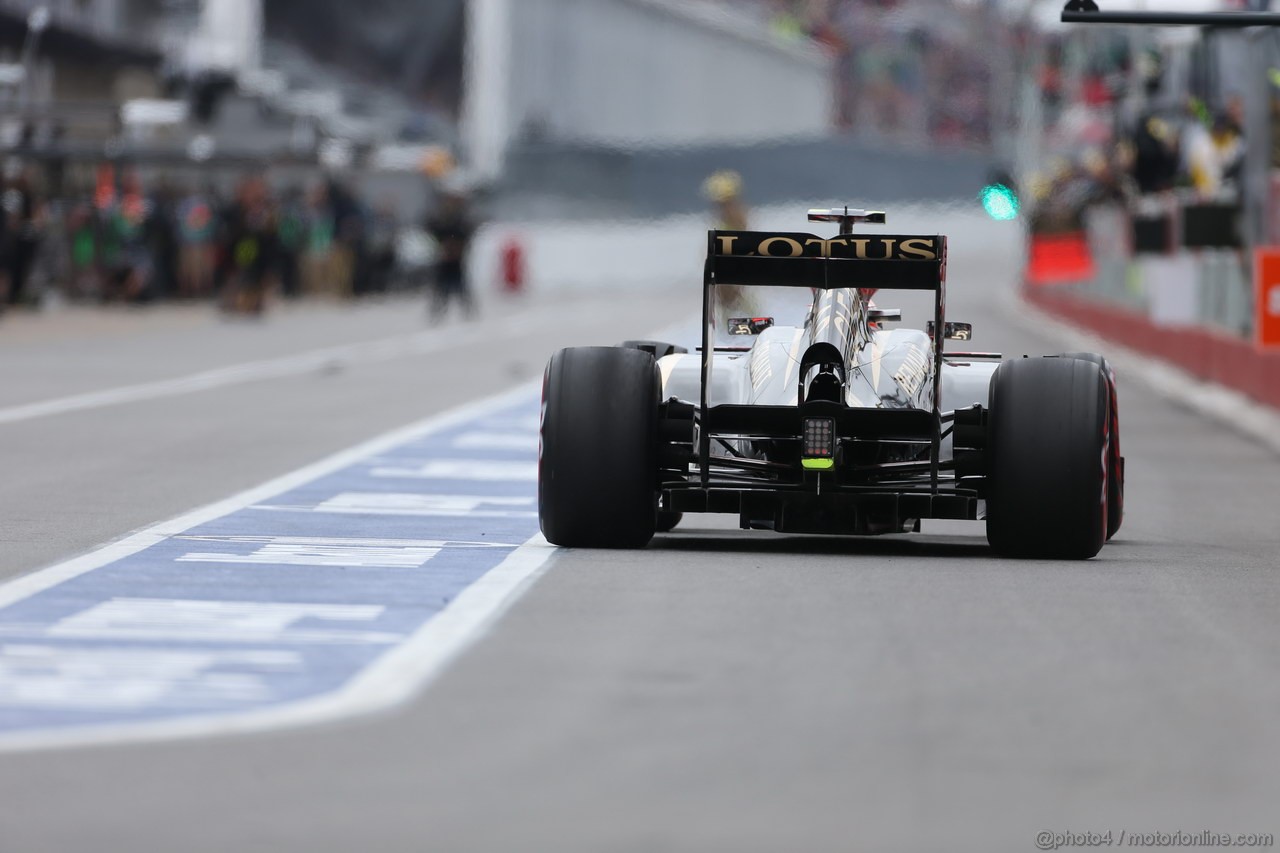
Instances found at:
x=598 y=461
x=668 y=521
x=1115 y=469
x=1048 y=446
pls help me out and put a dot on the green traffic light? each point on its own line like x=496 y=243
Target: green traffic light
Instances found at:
x=1000 y=202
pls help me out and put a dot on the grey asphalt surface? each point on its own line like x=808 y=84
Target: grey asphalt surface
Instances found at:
x=721 y=690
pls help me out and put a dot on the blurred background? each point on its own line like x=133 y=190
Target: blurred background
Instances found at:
x=178 y=149
x=208 y=149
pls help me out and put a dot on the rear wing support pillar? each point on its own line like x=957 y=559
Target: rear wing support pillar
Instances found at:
x=708 y=360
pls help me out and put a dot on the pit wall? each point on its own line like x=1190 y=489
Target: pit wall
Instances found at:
x=1196 y=310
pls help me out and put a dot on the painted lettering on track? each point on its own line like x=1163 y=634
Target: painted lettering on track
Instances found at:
x=339 y=589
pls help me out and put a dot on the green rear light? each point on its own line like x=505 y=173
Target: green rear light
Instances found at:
x=1000 y=202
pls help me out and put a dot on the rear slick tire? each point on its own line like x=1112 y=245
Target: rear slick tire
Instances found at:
x=1115 y=473
x=668 y=521
x=598 y=460
x=1048 y=449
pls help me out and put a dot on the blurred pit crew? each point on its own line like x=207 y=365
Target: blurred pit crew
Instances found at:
x=452 y=228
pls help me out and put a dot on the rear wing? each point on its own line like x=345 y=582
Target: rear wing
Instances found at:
x=848 y=261
x=794 y=259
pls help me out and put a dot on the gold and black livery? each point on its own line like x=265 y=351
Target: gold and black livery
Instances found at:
x=842 y=271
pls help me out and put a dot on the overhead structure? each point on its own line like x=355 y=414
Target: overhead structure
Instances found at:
x=1259 y=217
x=1089 y=12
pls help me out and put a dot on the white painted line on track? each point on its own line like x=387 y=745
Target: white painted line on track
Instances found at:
x=463 y=469
x=1219 y=403
x=29 y=585
x=426 y=505
x=294 y=365
x=393 y=678
x=312 y=361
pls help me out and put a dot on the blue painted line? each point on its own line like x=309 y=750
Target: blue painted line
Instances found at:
x=290 y=598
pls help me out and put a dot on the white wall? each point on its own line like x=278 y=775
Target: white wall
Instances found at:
x=567 y=256
x=635 y=72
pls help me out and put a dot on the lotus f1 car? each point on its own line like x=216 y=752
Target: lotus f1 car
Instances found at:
x=835 y=425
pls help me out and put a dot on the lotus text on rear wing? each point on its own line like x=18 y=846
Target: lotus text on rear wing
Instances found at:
x=880 y=248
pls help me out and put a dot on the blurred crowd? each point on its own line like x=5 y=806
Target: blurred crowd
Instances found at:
x=1194 y=151
x=134 y=240
x=1197 y=153
x=919 y=70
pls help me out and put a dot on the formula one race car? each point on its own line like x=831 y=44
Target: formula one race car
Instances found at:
x=832 y=426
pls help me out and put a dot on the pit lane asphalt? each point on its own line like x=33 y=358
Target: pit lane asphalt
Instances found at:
x=721 y=690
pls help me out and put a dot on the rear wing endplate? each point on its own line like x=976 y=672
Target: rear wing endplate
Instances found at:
x=794 y=259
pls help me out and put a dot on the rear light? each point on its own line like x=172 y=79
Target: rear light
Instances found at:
x=818 y=442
